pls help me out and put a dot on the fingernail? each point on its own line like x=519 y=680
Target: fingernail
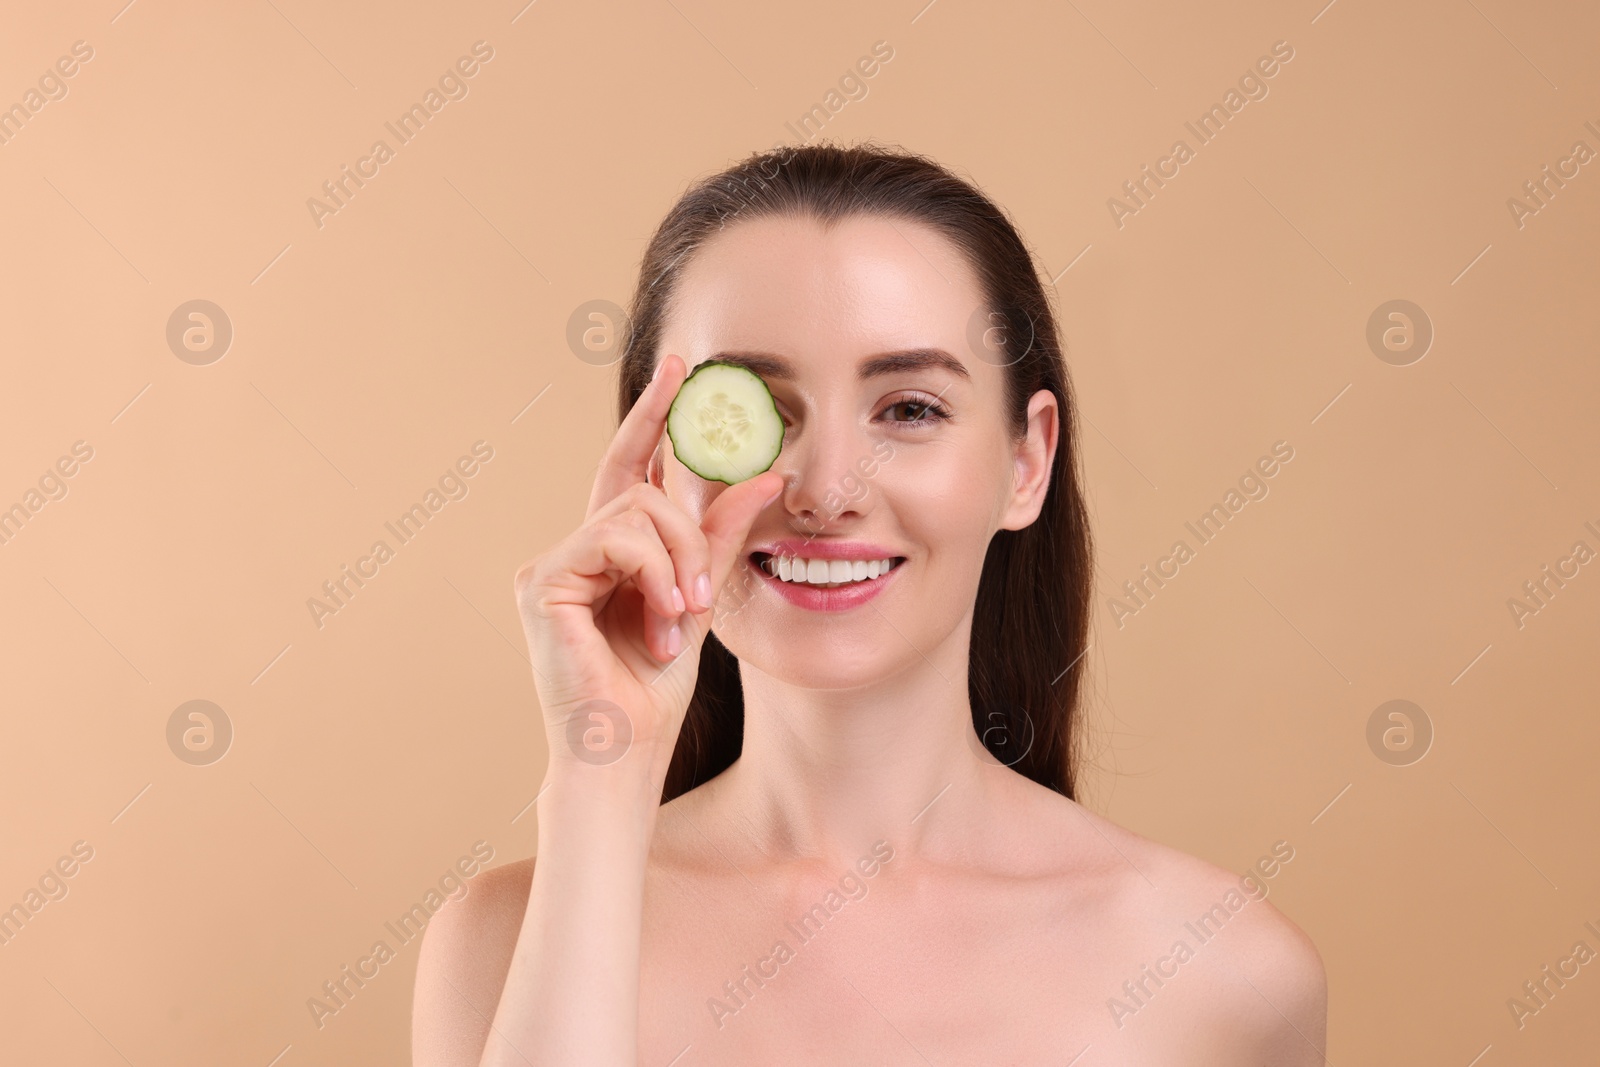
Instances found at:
x=674 y=640
x=702 y=590
x=677 y=600
x=776 y=493
x=657 y=372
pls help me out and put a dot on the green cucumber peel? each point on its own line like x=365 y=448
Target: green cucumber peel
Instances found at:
x=724 y=423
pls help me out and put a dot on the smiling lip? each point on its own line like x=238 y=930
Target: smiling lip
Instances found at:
x=825 y=549
x=816 y=598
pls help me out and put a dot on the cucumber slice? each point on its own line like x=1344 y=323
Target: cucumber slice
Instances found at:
x=724 y=424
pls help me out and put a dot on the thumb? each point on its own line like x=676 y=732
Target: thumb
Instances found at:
x=727 y=525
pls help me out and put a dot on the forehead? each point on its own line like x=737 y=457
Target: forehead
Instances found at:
x=787 y=284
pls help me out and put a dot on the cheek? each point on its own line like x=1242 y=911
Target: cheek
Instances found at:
x=947 y=498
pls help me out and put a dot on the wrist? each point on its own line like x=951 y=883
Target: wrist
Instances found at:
x=617 y=792
x=595 y=822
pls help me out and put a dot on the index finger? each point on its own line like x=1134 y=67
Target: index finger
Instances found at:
x=627 y=459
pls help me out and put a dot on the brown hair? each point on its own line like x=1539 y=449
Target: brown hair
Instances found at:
x=1031 y=619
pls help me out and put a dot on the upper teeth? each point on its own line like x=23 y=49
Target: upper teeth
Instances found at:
x=824 y=571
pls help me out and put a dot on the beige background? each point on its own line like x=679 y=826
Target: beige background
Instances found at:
x=368 y=354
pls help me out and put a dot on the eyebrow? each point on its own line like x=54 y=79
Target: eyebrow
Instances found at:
x=777 y=368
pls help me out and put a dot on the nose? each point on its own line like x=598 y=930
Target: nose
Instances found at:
x=821 y=467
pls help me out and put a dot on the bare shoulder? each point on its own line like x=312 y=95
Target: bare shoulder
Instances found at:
x=461 y=970
x=1268 y=987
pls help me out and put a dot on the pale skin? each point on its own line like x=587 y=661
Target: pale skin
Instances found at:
x=1005 y=918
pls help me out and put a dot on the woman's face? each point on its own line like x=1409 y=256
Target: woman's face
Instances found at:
x=896 y=444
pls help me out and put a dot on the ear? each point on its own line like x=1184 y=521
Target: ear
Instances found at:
x=1035 y=456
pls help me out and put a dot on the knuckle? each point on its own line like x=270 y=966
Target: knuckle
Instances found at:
x=631 y=517
x=646 y=524
x=647 y=497
x=646 y=491
x=526 y=576
x=531 y=587
x=612 y=528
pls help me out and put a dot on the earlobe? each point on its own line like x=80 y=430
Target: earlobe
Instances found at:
x=1035 y=460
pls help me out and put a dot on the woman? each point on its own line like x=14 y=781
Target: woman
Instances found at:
x=823 y=822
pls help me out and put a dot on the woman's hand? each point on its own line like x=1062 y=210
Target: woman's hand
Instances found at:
x=616 y=613
x=600 y=610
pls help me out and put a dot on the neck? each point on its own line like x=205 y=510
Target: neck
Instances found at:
x=825 y=773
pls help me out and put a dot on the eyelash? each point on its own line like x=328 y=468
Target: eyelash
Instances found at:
x=932 y=410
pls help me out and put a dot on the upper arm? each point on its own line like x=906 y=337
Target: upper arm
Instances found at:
x=1290 y=985
x=1267 y=1000
x=461 y=969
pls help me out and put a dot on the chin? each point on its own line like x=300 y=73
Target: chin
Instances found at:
x=819 y=638
x=815 y=661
